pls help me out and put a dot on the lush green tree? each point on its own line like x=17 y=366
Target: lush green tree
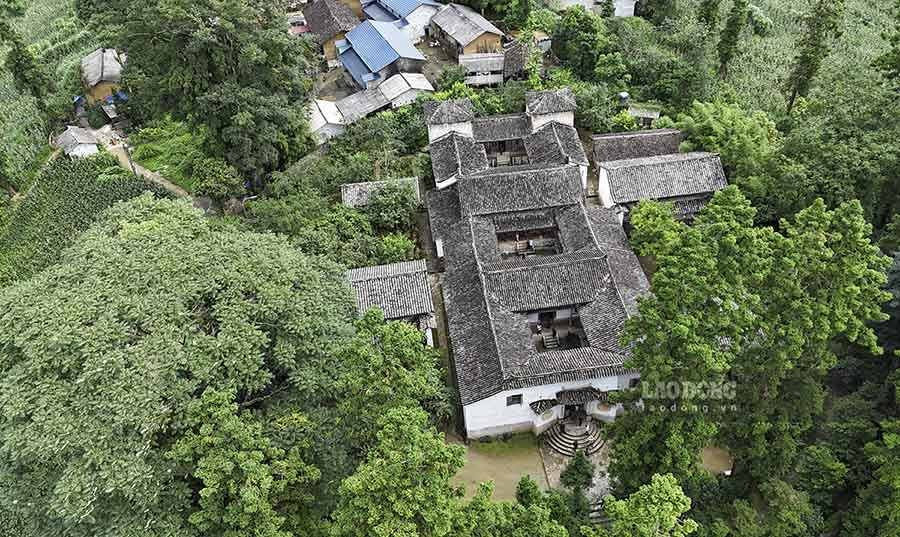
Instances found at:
x=394 y=248
x=709 y=13
x=789 y=296
x=821 y=474
x=28 y=75
x=654 y=510
x=580 y=41
x=527 y=491
x=247 y=481
x=890 y=240
x=481 y=517
x=785 y=512
x=579 y=472
x=517 y=13
x=393 y=208
x=387 y=365
x=103 y=354
x=229 y=65
x=403 y=488
x=889 y=62
x=450 y=75
x=822 y=24
x=657 y=10
x=731 y=35
x=217 y=180
x=608 y=9
x=653 y=229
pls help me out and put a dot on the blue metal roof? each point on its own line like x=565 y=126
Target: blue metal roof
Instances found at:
x=402 y=8
x=379 y=44
x=355 y=66
x=375 y=12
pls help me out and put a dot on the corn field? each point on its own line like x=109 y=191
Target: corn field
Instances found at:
x=760 y=71
x=53 y=32
x=66 y=199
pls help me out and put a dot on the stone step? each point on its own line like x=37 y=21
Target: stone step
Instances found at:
x=564 y=443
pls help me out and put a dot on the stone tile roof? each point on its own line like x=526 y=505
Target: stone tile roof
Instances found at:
x=505 y=127
x=328 y=18
x=515 y=57
x=519 y=188
x=359 y=194
x=463 y=23
x=550 y=102
x=446 y=112
x=640 y=144
x=400 y=290
x=557 y=144
x=453 y=155
x=663 y=177
x=492 y=345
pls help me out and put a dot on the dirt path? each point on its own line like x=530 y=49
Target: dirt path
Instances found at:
x=149 y=175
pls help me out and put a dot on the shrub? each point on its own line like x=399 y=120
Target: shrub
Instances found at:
x=393 y=208
x=394 y=248
x=218 y=180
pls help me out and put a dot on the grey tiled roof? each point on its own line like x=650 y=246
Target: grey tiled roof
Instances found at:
x=540 y=282
x=663 y=177
x=443 y=210
x=640 y=144
x=550 y=102
x=519 y=188
x=400 y=290
x=463 y=23
x=73 y=137
x=359 y=194
x=362 y=103
x=454 y=154
x=496 y=128
x=328 y=18
x=444 y=112
x=557 y=144
x=515 y=57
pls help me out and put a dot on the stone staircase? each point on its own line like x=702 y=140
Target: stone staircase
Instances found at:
x=564 y=442
x=551 y=342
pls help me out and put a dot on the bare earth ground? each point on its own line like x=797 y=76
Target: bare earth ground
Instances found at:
x=500 y=461
x=715 y=460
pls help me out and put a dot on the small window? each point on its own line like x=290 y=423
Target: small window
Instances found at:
x=514 y=400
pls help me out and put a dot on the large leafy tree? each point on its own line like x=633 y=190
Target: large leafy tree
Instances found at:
x=731 y=35
x=387 y=365
x=482 y=517
x=655 y=510
x=580 y=41
x=759 y=308
x=105 y=355
x=229 y=65
x=403 y=488
x=822 y=24
x=889 y=62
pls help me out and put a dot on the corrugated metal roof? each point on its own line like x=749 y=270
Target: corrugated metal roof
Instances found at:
x=355 y=66
x=74 y=137
x=402 y=8
x=376 y=12
x=379 y=44
x=463 y=24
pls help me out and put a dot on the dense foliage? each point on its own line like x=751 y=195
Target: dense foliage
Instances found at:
x=66 y=199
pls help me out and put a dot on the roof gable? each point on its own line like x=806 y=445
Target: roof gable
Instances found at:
x=328 y=18
x=555 y=143
x=453 y=155
x=379 y=44
x=665 y=176
x=639 y=144
x=550 y=102
x=447 y=112
x=463 y=23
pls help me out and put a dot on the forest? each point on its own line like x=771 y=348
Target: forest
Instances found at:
x=169 y=373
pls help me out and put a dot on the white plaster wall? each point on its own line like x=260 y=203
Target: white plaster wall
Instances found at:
x=418 y=20
x=439 y=247
x=539 y=120
x=584 y=176
x=491 y=416
x=84 y=150
x=625 y=8
x=436 y=131
x=603 y=189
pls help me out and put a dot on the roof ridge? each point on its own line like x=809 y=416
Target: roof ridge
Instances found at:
x=484 y=294
x=599 y=255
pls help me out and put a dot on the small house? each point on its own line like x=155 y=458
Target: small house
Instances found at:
x=483 y=69
x=101 y=72
x=404 y=88
x=76 y=142
x=330 y=20
x=412 y=17
x=374 y=51
x=358 y=195
x=462 y=30
x=325 y=120
x=686 y=180
x=400 y=290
